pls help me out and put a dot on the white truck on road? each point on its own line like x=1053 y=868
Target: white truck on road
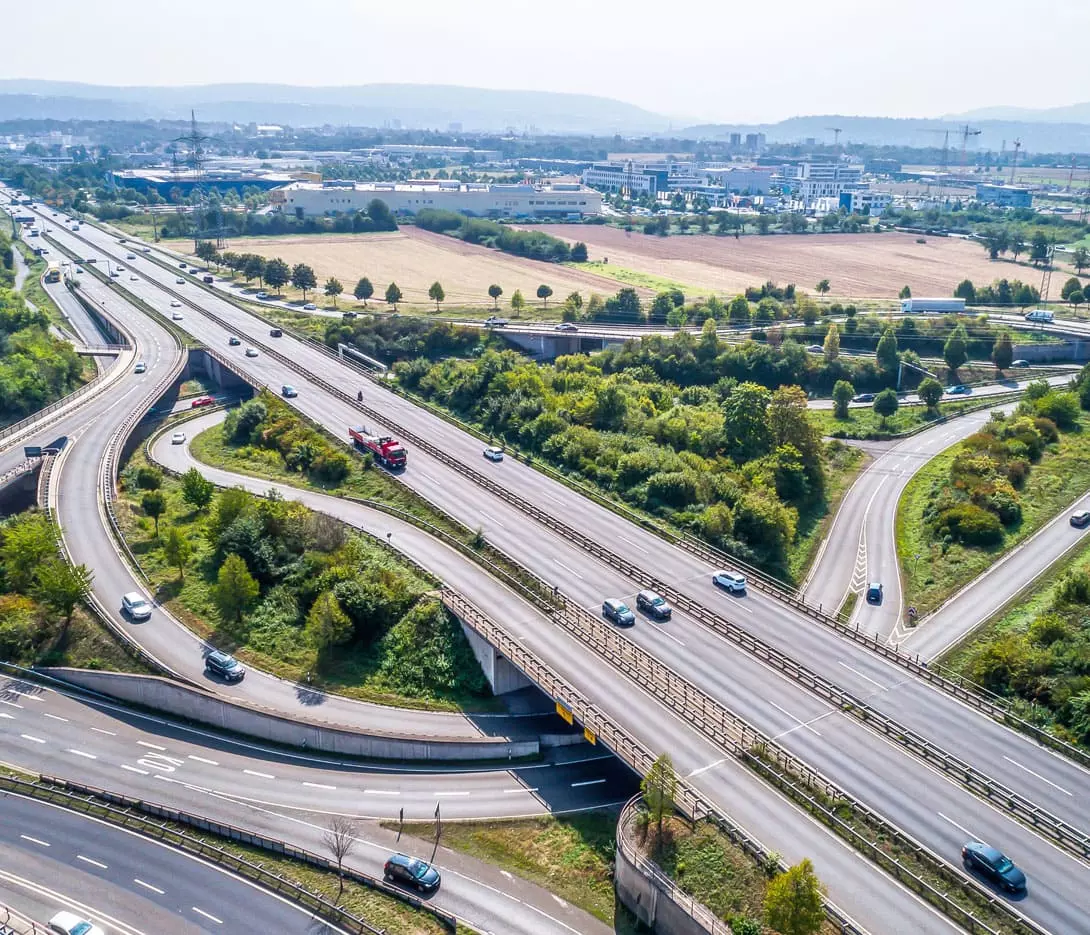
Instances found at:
x=919 y=306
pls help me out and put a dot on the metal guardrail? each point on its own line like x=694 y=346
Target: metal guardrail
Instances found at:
x=138 y=814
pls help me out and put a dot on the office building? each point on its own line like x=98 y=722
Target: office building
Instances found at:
x=1004 y=196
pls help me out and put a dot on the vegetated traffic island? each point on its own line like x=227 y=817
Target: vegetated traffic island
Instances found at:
x=42 y=621
x=977 y=500
x=1034 y=651
x=293 y=591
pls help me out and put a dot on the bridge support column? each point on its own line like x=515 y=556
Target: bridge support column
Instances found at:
x=501 y=674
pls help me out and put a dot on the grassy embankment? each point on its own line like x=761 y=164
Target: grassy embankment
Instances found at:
x=633 y=277
x=864 y=422
x=1062 y=474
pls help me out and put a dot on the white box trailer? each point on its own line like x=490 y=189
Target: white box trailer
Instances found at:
x=915 y=306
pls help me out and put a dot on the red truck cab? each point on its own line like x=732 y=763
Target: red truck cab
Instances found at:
x=386 y=449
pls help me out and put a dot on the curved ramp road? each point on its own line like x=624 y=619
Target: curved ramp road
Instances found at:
x=866 y=765
x=53 y=859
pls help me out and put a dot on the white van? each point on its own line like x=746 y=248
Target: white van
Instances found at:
x=1040 y=315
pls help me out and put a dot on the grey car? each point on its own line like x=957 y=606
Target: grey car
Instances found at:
x=617 y=610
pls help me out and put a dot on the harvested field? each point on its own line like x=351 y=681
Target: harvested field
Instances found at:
x=414 y=259
x=856 y=265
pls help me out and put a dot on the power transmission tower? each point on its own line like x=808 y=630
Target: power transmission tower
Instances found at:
x=196 y=158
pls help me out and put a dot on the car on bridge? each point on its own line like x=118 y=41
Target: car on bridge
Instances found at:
x=411 y=871
x=863 y=398
x=202 y=401
x=654 y=605
x=130 y=256
x=136 y=606
x=68 y=923
x=140 y=367
x=233 y=341
x=994 y=865
x=179 y=281
x=565 y=326
x=493 y=453
x=958 y=389
x=251 y=352
x=288 y=391
x=730 y=581
x=310 y=307
x=615 y=609
x=1019 y=363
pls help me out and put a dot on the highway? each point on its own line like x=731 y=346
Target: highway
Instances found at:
x=53 y=859
x=707 y=652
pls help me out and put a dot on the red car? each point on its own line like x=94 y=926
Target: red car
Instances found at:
x=203 y=401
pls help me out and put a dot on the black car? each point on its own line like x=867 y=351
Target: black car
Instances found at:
x=410 y=871
x=1080 y=519
x=994 y=865
x=651 y=603
x=874 y=592
x=224 y=665
x=863 y=398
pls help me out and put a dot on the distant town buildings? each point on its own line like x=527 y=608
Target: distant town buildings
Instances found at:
x=310 y=199
x=809 y=181
x=715 y=183
x=1004 y=196
x=865 y=202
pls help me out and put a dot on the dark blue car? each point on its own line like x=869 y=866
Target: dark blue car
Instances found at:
x=994 y=865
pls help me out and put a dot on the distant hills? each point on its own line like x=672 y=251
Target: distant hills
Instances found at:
x=1070 y=113
x=371 y=105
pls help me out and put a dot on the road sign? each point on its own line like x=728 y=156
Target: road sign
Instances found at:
x=565 y=712
x=590 y=735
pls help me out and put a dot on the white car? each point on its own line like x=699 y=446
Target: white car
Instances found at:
x=310 y=307
x=130 y=256
x=178 y=438
x=730 y=581
x=136 y=605
x=140 y=367
x=132 y=278
x=68 y=923
x=250 y=352
x=179 y=281
x=176 y=316
x=493 y=453
x=174 y=303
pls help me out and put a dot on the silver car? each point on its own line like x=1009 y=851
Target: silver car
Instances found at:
x=730 y=580
x=136 y=606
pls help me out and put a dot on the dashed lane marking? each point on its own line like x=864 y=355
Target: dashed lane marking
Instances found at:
x=32 y=738
x=27 y=837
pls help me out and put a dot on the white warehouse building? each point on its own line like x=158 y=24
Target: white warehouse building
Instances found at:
x=313 y=199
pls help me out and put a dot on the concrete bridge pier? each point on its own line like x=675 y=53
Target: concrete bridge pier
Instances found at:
x=501 y=674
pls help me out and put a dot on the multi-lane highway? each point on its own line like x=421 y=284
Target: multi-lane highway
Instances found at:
x=53 y=859
x=842 y=748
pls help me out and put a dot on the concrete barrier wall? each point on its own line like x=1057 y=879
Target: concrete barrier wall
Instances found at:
x=194 y=705
x=654 y=907
x=1069 y=351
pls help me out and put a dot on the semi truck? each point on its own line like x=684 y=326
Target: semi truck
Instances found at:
x=917 y=306
x=386 y=449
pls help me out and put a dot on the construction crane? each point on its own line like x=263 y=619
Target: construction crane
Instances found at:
x=966 y=132
x=945 y=158
x=1017 y=144
x=835 y=131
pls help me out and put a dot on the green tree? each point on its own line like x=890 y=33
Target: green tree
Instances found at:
x=234 y=592
x=1068 y=287
x=832 y=343
x=579 y=252
x=393 y=295
x=843 y=392
x=738 y=313
x=886 y=353
x=1017 y=245
x=154 y=504
x=794 y=901
x=1039 y=248
x=1080 y=258
x=886 y=404
x=822 y=287
x=494 y=293
x=660 y=309
x=1076 y=299
x=808 y=311
x=966 y=290
x=327 y=625
x=27 y=542
x=543 y=293
x=206 y=251
x=364 y=290
x=955 y=351
x=196 y=490
x=746 y=422
x=764 y=223
x=177 y=550
x=253 y=267
x=436 y=293
x=659 y=788
x=518 y=303
x=62 y=586
x=278 y=274
x=930 y=393
x=302 y=277
x=333 y=288
x=1002 y=351
x=905 y=293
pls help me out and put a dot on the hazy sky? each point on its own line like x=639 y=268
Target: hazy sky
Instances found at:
x=705 y=59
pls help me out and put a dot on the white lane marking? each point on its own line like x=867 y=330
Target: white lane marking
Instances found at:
x=318 y=785
x=520 y=789
x=99 y=730
x=201 y=759
x=25 y=695
x=704 y=769
x=570 y=571
x=11 y=703
x=32 y=738
x=208 y=916
x=861 y=675
x=154 y=746
x=89 y=756
x=1038 y=775
x=551 y=497
x=7 y=717
x=437 y=794
x=961 y=828
x=801 y=723
x=55 y=717
x=148 y=886
x=27 y=837
x=587 y=782
x=250 y=772
x=133 y=769
x=559 y=900
x=670 y=636
x=491 y=519
x=93 y=863
x=380 y=792
x=639 y=548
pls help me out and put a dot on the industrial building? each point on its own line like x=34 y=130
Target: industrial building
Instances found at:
x=311 y=199
x=1004 y=196
x=861 y=201
x=164 y=180
x=715 y=183
x=809 y=181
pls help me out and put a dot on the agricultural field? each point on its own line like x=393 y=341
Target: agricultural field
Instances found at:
x=856 y=265
x=414 y=259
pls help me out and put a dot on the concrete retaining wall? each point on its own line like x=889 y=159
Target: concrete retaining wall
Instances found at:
x=204 y=708
x=1069 y=351
x=652 y=906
